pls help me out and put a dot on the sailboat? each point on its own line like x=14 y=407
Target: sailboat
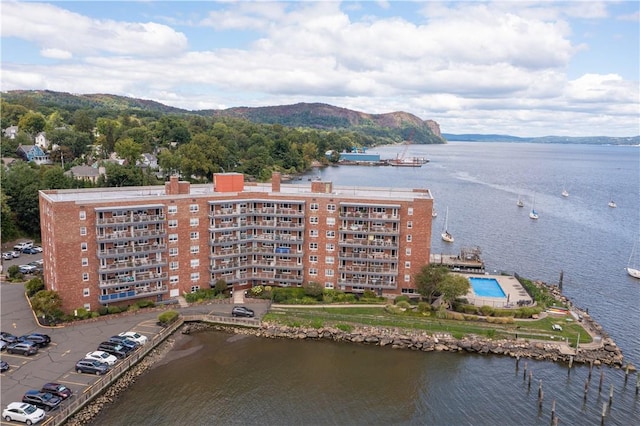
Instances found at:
x=565 y=193
x=533 y=214
x=612 y=204
x=520 y=203
x=446 y=236
x=633 y=266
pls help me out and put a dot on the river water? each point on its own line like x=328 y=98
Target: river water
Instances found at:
x=216 y=378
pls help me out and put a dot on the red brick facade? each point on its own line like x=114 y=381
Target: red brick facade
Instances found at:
x=120 y=245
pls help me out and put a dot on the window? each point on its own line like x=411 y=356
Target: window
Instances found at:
x=173 y=251
x=407 y=251
x=313 y=258
x=313 y=246
x=87 y=306
x=194 y=221
x=83 y=246
x=195 y=276
x=194 y=235
x=313 y=220
x=173 y=279
x=330 y=247
x=173 y=238
x=194 y=249
x=85 y=261
x=328 y=272
x=193 y=208
x=83 y=215
x=313 y=206
x=86 y=292
x=331 y=207
x=409 y=224
x=83 y=230
x=408 y=238
x=85 y=276
x=313 y=271
x=172 y=209
x=331 y=221
x=173 y=265
x=195 y=288
x=331 y=234
x=407 y=264
x=195 y=263
x=173 y=223
x=329 y=260
x=410 y=211
x=407 y=278
x=313 y=232
x=328 y=285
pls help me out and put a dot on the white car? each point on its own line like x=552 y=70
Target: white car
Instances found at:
x=102 y=356
x=556 y=327
x=136 y=337
x=8 y=255
x=23 y=412
x=23 y=245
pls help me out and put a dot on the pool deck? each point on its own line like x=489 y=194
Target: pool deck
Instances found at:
x=510 y=286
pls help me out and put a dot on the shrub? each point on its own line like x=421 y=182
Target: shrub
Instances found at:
x=103 y=310
x=145 y=304
x=113 y=310
x=402 y=298
x=14 y=274
x=345 y=327
x=455 y=316
x=393 y=309
x=403 y=304
x=487 y=311
x=368 y=294
x=81 y=313
x=314 y=290
x=33 y=286
x=424 y=307
x=167 y=317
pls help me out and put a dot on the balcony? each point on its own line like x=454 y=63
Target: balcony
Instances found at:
x=367 y=283
x=390 y=244
x=135 y=218
x=132 y=264
x=131 y=235
x=378 y=257
x=141 y=278
x=132 y=294
x=141 y=248
x=368 y=270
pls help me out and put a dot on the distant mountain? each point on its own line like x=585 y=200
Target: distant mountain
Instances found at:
x=594 y=140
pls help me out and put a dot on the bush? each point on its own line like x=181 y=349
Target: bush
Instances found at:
x=487 y=311
x=200 y=295
x=14 y=274
x=368 y=294
x=145 y=304
x=455 y=316
x=313 y=290
x=424 y=307
x=103 y=310
x=402 y=298
x=167 y=317
x=33 y=286
x=393 y=309
x=113 y=310
x=81 y=313
x=403 y=304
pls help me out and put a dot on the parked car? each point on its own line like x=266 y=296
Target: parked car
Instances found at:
x=8 y=337
x=29 y=250
x=114 y=349
x=25 y=348
x=23 y=245
x=4 y=366
x=241 y=311
x=61 y=391
x=39 y=339
x=102 y=356
x=7 y=255
x=38 y=262
x=45 y=400
x=38 y=249
x=136 y=337
x=23 y=412
x=3 y=345
x=16 y=254
x=91 y=366
x=124 y=342
x=27 y=269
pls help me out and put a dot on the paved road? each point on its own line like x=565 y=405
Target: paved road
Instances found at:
x=71 y=342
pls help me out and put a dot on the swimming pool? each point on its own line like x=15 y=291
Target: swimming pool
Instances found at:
x=486 y=287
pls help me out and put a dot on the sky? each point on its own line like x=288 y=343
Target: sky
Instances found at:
x=523 y=68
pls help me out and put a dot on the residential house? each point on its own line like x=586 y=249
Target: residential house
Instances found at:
x=42 y=141
x=33 y=153
x=11 y=132
x=86 y=173
x=148 y=160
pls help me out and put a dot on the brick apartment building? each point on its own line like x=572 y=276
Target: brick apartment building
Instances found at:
x=119 y=245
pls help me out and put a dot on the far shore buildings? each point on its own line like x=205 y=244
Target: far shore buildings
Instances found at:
x=116 y=246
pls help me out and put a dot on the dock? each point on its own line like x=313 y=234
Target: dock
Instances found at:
x=468 y=260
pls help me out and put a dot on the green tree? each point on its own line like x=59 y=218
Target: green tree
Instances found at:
x=32 y=123
x=118 y=175
x=221 y=286
x=428 y=279
x=33 y=286
x=129 y=150
x=108 y=130
x=8 y=227
x=453 y=286
x=54 y=178
x=11 y=114
x=21 y=183
x=83 y=121
x=47 y=304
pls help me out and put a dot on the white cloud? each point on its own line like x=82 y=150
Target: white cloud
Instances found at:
x=56 y=53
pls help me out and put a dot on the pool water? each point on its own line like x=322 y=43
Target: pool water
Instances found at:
x=486 y=287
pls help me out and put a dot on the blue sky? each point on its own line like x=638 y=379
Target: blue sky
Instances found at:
x=511 y=67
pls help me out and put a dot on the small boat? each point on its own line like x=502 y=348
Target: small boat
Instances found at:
x=520 y=203
x=565 y=193
x=633 y=266
x=446 y=236
x=612 y=204
x=533 y=214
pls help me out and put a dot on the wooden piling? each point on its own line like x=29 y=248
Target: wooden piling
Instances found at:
x=601 y=380
x=570 y=365
x=590 y=369
x=517 y=362
x=553 y=411
x=539 y=388
x=637 y=383
x=626 y=373
x=524 y=375
x=540 y=398
x=604 y=413
x=530 y=377
x=586 y=388
x=611 y=394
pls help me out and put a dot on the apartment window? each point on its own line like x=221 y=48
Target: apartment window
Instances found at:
x=172 y=209
x=407 y=251
x=410 y=211
x=193 y=208
x=313 y=246
x=85 y=276
x=87 y=306
x=173 y=265
x=173 y=223
x=194 y=235
x=83 y=246
x=85 y=261
x=330 y=247
x=331 y=207
x=195 y=263
x=407 y=264
x=408 y=238
x=313 y=272
x=313 y=258
x=83 y=230
x=313 y=206
x=331 y=221
x=328 y=272
x=195 y=276
x=194 y=249
x=194 y=221
x=407 y=278
x=173 y=279
x=173 y=238
x=313 y=220
x=83 y=215
x=328 y=285
x=409 y=224
x=86 y=292
x=195 y=288
x=173 y=251
x=329 y=260
x=313 y=232
x=331 y=234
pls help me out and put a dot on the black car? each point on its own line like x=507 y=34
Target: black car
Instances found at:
x=24 y=348
x=61 y=391
x=45 y=400
x=124 y=342
x=4 y=366
x=115 y=349
x=8 y=337
x=39 y=339
x=241 y=311
x=30 y=250
x=91 y=366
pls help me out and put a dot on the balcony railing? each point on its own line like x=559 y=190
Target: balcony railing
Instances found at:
x=140 y=248
x=132 y=280
x=132 y=294
x=136 y=218
x=130 y=235
x=134 y=264
x=368 y=243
